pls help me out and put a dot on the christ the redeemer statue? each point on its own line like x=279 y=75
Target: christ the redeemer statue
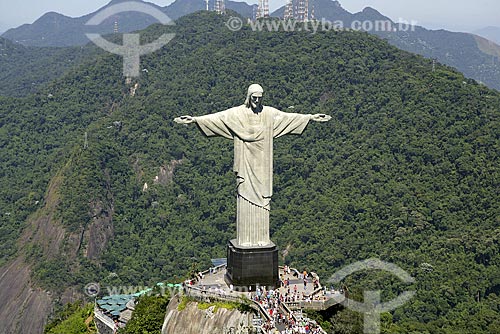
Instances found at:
x=253 y=127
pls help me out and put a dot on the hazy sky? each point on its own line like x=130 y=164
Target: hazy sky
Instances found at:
x=434 y=14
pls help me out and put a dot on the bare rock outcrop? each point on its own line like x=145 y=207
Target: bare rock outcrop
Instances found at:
x=193 y=320
x=24 y=308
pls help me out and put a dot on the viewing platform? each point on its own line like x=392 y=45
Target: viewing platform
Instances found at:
x=294 y=295
x=277 y=308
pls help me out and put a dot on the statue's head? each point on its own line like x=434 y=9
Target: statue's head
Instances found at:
x=254 y=97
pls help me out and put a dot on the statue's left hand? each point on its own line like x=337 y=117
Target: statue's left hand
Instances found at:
x=184 y=119
x=321 y=118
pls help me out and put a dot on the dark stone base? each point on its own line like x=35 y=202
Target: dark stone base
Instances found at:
x=252 y=266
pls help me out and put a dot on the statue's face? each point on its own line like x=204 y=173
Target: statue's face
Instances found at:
x=256 y=101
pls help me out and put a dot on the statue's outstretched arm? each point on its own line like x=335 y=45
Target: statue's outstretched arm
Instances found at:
x=321 y=118
x=185 y=119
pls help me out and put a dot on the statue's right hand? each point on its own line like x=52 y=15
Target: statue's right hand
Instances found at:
x=184 y=119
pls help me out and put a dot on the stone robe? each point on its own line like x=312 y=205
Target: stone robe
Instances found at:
x=253 y=135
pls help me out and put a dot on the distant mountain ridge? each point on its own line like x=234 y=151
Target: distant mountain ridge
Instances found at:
x=491 y=33
x=57 y=30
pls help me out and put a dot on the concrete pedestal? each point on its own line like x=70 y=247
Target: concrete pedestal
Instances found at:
x=251 y=266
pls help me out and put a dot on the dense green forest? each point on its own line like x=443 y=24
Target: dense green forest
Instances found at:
x=74 y=318
x=406 y=171
x=23 y=70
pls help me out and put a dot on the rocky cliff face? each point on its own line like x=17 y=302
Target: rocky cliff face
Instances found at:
x=25 y=306
x=192 y=320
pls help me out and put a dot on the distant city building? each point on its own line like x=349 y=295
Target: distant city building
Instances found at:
x=299 y=11
x=262 y=9
x=220 y=7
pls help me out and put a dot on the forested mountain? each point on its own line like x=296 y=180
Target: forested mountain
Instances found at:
x=35 y=54
x=406 y=171
x=472 y=55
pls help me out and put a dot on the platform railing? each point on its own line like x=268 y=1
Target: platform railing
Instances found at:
x=104 y=318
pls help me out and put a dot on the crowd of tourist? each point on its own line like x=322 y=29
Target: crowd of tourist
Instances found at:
x=294 y=287
x=281 y=322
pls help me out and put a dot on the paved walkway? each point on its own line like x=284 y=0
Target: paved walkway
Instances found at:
x=296 y=283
